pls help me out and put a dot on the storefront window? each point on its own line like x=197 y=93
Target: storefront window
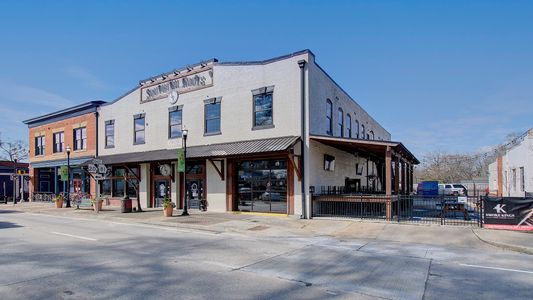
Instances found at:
x=262 y=185
x=105 y=187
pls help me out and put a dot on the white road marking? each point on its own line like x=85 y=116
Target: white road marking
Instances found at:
x=496 y=268
x=74 y=236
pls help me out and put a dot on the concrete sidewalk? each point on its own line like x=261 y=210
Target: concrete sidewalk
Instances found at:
x=293 y=227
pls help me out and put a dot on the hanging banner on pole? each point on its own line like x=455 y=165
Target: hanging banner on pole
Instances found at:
x=63 y=172
x=181 y=160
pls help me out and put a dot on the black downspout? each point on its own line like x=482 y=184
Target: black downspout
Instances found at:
x=96 y=115
x=301 y=64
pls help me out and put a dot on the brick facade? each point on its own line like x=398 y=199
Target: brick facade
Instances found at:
x=67 y=126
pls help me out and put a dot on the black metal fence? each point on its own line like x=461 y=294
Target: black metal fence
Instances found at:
x=444 y=210
x=42 y=197
x=354 y=206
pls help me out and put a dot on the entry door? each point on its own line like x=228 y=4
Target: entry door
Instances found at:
x=195 y=192
x=161 y=190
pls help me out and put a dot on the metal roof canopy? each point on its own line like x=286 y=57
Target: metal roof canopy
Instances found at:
x=372 y=147
x=74 y=162
x=207 y=151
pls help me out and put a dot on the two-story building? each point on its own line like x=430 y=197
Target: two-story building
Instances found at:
x=258 y=134
x=511 y=175
x=50 y=136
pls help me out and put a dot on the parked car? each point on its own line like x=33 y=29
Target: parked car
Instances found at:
x=450 y=189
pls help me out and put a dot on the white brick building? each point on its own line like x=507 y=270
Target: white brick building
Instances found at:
x=511 y=175
x=246 y=123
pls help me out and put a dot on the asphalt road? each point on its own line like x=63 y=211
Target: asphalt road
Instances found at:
x=52 y=257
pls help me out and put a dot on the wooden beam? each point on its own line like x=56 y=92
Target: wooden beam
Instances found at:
x=220 y=170
x=296 y=167
x=388 y=172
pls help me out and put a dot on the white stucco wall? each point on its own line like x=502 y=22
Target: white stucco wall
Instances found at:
x=519 y=156
x=216 y=188
x=322 y=88
x=493 y=176
x=234 y=84
x=345 y=166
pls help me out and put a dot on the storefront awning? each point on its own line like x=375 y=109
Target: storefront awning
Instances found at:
x=370 y=147
x=206 y=151
x=60 y=162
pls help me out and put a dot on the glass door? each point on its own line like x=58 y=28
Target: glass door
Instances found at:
x=161 y=190
x=262 y=186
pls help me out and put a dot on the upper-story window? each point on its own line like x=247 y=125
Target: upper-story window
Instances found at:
x=59 y=141
x=340 y=122
x=139 y=129
x=371 y=135
x=348 y=126
x=80 y=138
x=329 y=117
x=174 y=122
x=110 y=134
x=356 y=129
x=39 y=145
x=212 y=116
x=263 y=107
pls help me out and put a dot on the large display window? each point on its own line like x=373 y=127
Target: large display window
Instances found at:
x=262 y=185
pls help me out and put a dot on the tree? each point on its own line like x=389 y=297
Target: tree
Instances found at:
x=446 y=167
x=13 y=150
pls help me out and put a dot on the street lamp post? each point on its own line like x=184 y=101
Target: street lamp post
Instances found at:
x=185 y=197
x=68 y=176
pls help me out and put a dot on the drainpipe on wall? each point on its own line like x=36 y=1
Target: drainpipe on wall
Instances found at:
x=96 y=129
x=301 y=64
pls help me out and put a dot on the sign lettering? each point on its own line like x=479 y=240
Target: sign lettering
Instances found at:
x=180 y=85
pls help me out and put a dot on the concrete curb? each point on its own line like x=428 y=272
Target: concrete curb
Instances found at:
x=504 y=246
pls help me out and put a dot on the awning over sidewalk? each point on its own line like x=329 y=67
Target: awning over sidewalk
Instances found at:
x=60 y=162
x=369 y=147
x=207 y=151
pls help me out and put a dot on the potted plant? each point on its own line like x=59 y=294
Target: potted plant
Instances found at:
x=168 y=207
x=97 y=203
x=59 y=200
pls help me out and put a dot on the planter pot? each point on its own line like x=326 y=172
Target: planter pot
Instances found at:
x=59 y=204
x=168 y=211
x=97 y=206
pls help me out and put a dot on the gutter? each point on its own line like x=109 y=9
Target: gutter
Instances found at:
x=301 y=64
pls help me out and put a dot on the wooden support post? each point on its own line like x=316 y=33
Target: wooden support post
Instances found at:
x=411 y=170
x=404 y=185
x=397 y=176
x=388 y=182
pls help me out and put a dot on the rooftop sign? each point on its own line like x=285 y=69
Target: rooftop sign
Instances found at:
x=187 y=83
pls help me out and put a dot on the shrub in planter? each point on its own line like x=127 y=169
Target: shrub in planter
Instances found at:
x=59 y=200
x=168 y=207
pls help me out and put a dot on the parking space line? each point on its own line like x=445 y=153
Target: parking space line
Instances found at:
x=496 y=268
x=74 y=236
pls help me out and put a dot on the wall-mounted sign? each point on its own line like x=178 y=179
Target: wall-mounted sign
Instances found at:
x=184 y=84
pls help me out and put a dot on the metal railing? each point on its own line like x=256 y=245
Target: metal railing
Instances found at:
x=42 y=196
x=354 y=206
x=443 y=210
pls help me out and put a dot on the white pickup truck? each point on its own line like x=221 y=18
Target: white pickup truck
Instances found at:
x=452 y=189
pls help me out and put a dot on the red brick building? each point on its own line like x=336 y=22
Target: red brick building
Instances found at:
x=50 y=136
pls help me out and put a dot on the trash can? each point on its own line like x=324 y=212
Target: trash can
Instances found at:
x=125 y=205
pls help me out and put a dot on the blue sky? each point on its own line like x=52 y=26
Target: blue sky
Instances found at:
x=439 y=75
